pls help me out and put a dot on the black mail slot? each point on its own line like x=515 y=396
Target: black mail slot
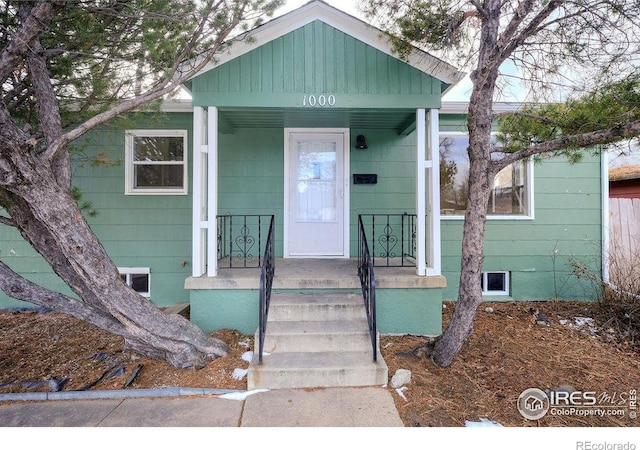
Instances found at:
x=365 y=178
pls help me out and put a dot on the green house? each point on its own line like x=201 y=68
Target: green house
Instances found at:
x=314 y=124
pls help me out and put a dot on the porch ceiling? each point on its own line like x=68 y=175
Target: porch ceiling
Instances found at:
x=401 y=120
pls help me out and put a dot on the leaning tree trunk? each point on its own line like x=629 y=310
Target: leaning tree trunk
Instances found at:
x=49 y=219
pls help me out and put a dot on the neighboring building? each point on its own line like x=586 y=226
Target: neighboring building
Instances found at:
x=317 y=122
x=624 y=219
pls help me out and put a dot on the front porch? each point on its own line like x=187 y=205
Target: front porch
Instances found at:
x=406 y=303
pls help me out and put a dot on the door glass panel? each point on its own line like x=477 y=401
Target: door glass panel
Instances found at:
x=316 y=182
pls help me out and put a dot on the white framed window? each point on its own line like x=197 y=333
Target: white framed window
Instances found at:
x=137 y=278
x=495 y=283
x=156 y=162
x=512 y=193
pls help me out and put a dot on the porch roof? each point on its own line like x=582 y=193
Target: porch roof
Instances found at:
x=400 y=120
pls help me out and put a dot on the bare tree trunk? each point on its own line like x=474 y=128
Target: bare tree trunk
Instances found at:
x=447 y=346
x=50 y=220
x=481 y=174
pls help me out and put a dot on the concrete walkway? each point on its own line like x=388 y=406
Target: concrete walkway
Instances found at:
x=331 y=407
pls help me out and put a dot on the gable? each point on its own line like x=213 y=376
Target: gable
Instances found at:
x=316 y=60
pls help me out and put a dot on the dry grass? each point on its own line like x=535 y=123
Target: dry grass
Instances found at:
x=506 y=354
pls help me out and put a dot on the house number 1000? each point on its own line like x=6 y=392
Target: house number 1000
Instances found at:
x=319 y=100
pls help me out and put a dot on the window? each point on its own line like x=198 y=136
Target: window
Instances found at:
x=495 y=283
x=156 y=162
x=511 y=195
x=138 y=278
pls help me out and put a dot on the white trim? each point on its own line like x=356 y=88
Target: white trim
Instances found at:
x=129 y=173
x=198 y=212
x=606 y=238
x=434 y=251
x=345 y=188
x=421 y=210
x=127 y=271
x=530 y=215
x=212 y=191
x=507 y=282
x=318 y=10
x=498 y=107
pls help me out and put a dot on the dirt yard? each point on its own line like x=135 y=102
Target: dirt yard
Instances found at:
x=507 y=353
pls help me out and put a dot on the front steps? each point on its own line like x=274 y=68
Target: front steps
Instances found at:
x=316 y=340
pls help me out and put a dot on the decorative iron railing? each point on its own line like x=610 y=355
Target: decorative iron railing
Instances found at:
x=392 y=238
x=242 y=240
x=266 y=281
x=368 y=284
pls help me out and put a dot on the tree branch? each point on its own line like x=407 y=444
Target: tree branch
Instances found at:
x=508 y=46
x=20 y=288
x=481 y=10
x=50 y=120
x=584 y=140
x=39 y=18
x=7 y=221
x=170 y=83
x=523 y=8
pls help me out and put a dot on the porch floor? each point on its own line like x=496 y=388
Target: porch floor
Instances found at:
x=296 y=273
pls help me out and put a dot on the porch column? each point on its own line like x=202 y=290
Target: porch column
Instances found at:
x=205 y=191
x=434 y=249
x=428 y=245
x=199 y=208
x=212 y=192
x=420 y=193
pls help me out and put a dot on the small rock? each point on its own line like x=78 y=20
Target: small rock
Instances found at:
x=400 y=378
x=489 y=309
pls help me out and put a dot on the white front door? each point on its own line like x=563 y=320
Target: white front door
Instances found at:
x=316 y=193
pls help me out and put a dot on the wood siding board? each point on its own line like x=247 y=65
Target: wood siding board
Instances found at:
x=245 y=73
x=278 y=66
x=266 y=70
x=299 y=61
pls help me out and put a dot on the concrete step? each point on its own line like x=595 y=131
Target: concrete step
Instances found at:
x=317 y=336
x=316 y=306
x=288 y=370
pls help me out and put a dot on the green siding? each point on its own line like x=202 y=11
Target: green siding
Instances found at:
x=316 y=59
x=155 y=231
x=136 y=231
x=539 y=253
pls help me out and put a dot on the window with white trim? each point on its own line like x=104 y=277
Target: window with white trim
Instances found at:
x=156 y=162
x=495 y=283
x=137 y=278
x=511 y=195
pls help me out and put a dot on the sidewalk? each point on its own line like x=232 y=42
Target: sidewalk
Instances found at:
x=331 y=407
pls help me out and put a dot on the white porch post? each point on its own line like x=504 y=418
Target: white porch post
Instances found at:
x=434 y=249
x=205 y=192
x=420 y=193
x=428 y=246
x=199 y=211
x=212 y=192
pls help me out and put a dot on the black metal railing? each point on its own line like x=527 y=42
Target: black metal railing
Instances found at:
x=368 y=284
x=392 y=238
x=242 y=240
x=266 y=281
